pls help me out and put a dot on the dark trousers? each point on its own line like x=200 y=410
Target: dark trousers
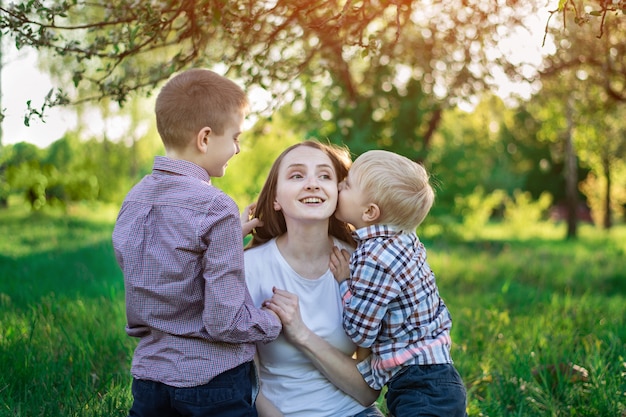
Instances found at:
x=427 y=390
x=229 y=394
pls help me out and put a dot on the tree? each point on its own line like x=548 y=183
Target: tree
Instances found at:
x=590 y=75
x=393 y=96
x=601 y=61
x=111 y=49
x=491 y=151
x=584 y=12
x=602 y=139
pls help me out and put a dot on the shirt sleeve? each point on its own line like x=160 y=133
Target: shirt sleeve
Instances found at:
x=367 y=299
x=229 y=313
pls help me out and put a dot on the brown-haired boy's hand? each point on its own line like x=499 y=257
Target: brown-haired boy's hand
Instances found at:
x=286 y=306
x=340 y=264
x=248 y=221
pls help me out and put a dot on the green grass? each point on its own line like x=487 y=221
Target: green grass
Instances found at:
x=522 y=308
x=63 y=350
x=525 y=309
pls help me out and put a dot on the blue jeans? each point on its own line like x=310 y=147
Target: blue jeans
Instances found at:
x=229 y=394
x=427 y=390
x=372 y=411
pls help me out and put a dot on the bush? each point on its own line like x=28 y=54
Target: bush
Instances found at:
x=521 y=211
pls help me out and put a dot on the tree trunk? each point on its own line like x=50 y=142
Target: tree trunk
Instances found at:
x=4 y=202
x=571 y=176
x=607 y=222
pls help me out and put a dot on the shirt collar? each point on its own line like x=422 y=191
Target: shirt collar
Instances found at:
x=180 y=167
x=376 y=230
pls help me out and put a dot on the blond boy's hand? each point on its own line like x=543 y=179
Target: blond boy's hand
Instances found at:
x=340 y=264
x=248 y=221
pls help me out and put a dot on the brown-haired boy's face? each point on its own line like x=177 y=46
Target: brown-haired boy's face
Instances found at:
x=221 y=148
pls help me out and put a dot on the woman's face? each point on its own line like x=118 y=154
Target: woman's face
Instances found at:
x=306 y=189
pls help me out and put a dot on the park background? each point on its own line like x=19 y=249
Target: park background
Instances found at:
x=527 y=236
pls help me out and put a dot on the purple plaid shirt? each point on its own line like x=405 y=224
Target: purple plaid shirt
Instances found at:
x=178 y=241
x=392 y=304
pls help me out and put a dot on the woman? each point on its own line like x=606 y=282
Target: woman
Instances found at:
x=309 y=370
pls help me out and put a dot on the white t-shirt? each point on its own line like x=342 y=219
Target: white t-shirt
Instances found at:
x=288 y=378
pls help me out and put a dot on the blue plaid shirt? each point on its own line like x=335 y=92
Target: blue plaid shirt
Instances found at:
x=392 y=304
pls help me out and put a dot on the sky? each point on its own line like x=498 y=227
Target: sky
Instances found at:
x=22 y=81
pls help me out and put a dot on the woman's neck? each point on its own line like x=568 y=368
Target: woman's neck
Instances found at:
x=307 y=250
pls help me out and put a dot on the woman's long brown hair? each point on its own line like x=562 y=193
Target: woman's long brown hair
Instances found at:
x=274 y=221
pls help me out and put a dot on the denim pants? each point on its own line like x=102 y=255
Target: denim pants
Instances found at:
x=230 y=394
x=372 y=411
x=427 y=390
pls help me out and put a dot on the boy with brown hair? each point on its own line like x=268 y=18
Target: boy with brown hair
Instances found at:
x=178 y=241
x=391 y=301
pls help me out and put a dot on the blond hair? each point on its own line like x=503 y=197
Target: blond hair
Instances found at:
x=194 y=99
x=400 y=187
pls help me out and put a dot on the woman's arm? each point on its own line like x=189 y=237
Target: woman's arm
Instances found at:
x=339 y=368
x=265 y=407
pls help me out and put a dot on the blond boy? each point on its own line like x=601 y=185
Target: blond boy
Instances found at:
x=178 y=241
x=391 y=301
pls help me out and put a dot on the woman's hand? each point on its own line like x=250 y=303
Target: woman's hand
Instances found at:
x=339 y=368
x=340 y=264
x=287 y=307
x=248 y=221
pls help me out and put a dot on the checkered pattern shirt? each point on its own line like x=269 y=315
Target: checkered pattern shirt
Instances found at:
x=392 y=304
x=178 y=241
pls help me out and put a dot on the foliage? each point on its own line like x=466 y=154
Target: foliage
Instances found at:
x=491 y=148
x=472 y=155
x=520 y=210
x=522 y=308
x=596 y=62
x=365 y=74
x=590 y=109
x=584 y=12
x=119 y=47
x=71 y=170
x=112 y=49
x=476 y=209
x=580 y=116
x=601 y=135
x=594 y=189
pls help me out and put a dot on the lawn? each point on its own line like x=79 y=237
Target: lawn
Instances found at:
x=539 y=322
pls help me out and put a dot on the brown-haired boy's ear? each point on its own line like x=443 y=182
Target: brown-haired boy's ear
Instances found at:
x=371 y=214
x=202 y=139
